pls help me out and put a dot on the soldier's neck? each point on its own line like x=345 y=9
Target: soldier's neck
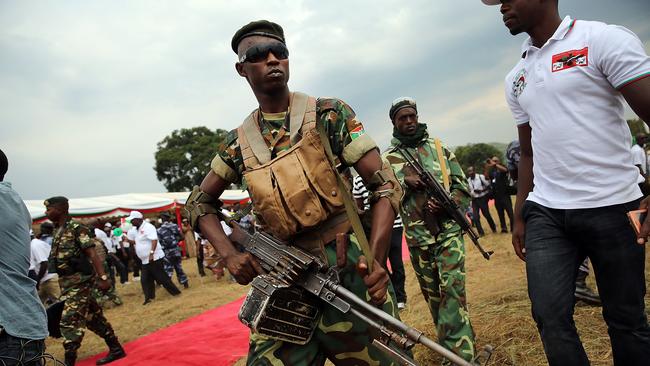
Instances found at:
x=274 y=103
x=60 y=222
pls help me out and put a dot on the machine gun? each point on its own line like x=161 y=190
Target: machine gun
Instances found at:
x=436 y=191
x=285 y=302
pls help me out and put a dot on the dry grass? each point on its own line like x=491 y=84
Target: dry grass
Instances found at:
x=132 y=320
x=498 y=301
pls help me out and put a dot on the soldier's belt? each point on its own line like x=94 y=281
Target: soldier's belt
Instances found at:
x=315 y=238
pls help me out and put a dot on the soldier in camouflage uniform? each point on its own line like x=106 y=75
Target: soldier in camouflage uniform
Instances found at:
x=74 y=259
x=343 y=339
x=168 y=236
x=435 y=241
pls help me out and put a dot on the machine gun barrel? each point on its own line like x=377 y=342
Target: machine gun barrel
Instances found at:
x=439 y=193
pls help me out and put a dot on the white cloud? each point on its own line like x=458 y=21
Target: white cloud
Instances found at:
x=87 y=89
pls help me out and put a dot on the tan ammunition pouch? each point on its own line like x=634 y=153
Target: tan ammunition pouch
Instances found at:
x=296 y=194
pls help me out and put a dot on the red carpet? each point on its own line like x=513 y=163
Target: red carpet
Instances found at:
x=215 y=338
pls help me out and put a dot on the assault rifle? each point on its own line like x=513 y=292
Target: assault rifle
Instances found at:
x=436 y=191
x=285 y=302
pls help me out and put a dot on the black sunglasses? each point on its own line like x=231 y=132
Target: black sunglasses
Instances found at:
x=260 y=52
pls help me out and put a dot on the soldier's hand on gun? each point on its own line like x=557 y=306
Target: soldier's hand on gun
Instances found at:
x=377 y=281
x=433 y=206
x=414 y=182
x=243 y=267
x=642 y=237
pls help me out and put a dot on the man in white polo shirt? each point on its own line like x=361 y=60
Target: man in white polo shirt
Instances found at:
x=152 y=256
x=567 y=96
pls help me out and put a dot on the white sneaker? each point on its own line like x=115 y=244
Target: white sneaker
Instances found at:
x=401 y=305
x=136 y=278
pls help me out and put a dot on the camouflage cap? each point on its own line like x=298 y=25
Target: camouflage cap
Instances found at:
x=257 y=28
x=55 y=201
x=401 y=103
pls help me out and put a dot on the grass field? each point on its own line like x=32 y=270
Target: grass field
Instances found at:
x=498 y=305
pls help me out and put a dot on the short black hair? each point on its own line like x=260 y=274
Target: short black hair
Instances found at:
x=4 y=165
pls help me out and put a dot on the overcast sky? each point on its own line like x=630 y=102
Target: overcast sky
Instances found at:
x=87 y=88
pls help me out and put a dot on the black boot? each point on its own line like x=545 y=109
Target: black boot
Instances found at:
x=115 y=352
x=70 y=358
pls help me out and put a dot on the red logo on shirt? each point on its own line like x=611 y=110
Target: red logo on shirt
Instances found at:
x=569 y=59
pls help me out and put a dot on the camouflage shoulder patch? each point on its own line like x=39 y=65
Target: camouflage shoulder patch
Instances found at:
x=85 y=236
x=328 y=103
x=231 y=137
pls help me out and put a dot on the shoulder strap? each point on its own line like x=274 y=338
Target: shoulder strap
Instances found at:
x=253 y=140
x=350 y=207
x=442 y=160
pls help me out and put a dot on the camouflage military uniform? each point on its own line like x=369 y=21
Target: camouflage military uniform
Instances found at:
x=168 y=235
x=342 y=339
x=438 y=260
x=109 y=295
x=81 y=310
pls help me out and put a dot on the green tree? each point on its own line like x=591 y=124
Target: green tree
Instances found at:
x=636 y=126
x=476 y=154
x=183 y=157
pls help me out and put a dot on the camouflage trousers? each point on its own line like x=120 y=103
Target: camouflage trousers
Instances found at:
x=341 y=338
x=440 y=270
x=80 y=311
x=174 y=262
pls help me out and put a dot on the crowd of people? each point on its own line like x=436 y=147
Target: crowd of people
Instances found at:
x=576 y=179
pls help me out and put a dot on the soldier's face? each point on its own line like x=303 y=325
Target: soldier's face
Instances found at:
x=406 y=121
x=268 y=73
x=53 y=212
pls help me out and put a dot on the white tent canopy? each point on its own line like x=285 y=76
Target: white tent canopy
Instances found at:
x=122 y=204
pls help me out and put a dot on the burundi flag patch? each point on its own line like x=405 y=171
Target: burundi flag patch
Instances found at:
x=357 y=132
x=570 y=59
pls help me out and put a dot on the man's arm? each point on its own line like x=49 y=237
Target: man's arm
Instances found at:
x=637 y=95
x=524 y=187
x=381 y=229
x=243 y=266
x=42 y=270
x=98 y=265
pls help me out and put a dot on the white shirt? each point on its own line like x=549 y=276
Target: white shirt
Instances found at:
x=144 y=235
x=39 y=253
x=108 y=244
x=226 y=229
x=639 y=157
x=478 y=186
x=568 y=91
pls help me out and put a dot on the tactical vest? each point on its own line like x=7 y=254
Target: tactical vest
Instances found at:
x=295 y=195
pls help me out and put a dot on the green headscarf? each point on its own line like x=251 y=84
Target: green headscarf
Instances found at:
x=412 y=140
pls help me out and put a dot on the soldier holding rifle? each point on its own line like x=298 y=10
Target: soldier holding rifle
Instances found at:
x=435 y=240
x=286 y=153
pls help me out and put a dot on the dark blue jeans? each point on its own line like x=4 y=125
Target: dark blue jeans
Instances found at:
x=556 y=242
x=20 y=352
